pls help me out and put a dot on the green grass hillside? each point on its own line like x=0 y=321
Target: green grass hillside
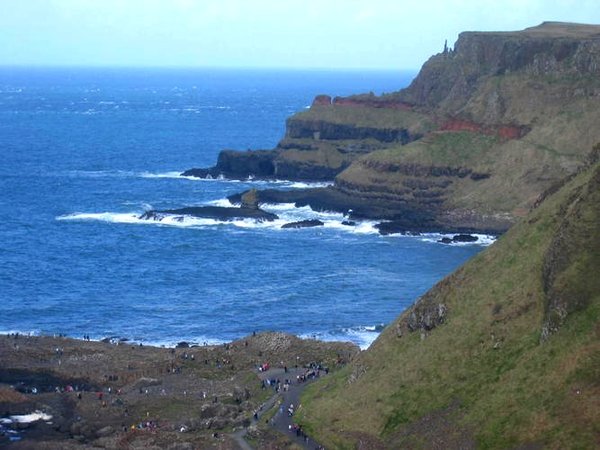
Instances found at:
x=503 y=353
x=368 y=117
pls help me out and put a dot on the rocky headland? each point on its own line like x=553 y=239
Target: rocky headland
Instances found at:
x=480 y=133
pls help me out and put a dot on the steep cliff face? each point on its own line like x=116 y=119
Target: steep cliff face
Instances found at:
x=448 y=80
x=503 y=353
x=533 y=93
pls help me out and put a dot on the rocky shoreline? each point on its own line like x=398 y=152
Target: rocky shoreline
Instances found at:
x=446 y=152
x=111 y=394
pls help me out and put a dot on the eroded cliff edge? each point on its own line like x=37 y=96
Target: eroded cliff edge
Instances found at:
x=479 y=134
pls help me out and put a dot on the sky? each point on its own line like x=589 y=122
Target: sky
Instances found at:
x=330 y=34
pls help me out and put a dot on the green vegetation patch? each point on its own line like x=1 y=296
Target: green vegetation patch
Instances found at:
x=368 y=117
x=485 y=377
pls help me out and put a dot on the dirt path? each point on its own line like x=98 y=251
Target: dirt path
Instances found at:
x=283 y=420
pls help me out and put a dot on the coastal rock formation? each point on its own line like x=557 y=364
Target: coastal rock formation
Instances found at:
x=459 y=238
x=238 y=165
x=309 y=223
x=211 y=212
x=479 y=134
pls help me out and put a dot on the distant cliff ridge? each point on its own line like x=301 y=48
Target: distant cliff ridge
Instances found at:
x=515 y=111
x=449 y=79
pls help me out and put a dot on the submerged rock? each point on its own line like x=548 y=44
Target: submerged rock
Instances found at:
x=304 y=224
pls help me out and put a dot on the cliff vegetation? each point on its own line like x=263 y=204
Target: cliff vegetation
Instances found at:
x=503 y=353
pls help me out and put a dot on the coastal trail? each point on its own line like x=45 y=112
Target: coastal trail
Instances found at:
x=283 y=421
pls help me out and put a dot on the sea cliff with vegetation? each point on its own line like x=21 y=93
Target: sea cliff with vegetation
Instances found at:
x=479 y=134
x=503 y=353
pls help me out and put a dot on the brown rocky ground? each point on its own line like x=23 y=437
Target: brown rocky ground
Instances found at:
x=119 y=395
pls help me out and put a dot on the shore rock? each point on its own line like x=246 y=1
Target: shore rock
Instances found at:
x=211 y=212
x=459 y=238
x=304 y=224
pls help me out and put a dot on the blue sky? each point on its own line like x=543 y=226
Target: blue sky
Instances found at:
x=259 y=33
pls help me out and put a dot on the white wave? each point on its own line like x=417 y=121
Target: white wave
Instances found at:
x=482 y=239
x=223 y=203
x=178 y=175
x=20 y=332
x=363 y=336
x=181 y=221
x=286 y=212
x=103 y=217
x=171 y=174
x=363 y=227
x=196 y=340
x=307 y=184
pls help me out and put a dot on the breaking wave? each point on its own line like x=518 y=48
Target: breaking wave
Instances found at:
x=362 y=335
x=287 y=213
x=177 y=175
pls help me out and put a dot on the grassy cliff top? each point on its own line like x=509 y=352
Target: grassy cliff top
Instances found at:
x=550 y=30
x=503 y=353
x=360 y=116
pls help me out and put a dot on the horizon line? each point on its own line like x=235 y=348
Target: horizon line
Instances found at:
x=207 y=67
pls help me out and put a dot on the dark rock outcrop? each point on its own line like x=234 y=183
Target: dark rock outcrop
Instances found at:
x=239 y=165
x=211 y=212
x=425 y=315
x=304 y=224
x=250 y=199
x=459 y=238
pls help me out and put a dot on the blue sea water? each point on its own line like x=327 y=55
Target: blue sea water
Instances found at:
x=85 y=151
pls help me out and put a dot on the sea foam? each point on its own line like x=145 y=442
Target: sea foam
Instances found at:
x=362 y=335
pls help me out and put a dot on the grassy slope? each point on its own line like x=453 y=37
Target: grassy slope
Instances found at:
x=368 y=117
x=484 y=373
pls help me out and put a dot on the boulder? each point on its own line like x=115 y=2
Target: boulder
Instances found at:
x=459 y=238
x=250 y=199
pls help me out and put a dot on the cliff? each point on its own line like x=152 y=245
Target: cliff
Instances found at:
x=503 y=353
x=479 y=134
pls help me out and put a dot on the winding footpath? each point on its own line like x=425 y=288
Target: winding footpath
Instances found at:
x=282 y=421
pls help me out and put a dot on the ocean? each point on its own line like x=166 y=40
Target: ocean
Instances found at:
x=85 y=151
